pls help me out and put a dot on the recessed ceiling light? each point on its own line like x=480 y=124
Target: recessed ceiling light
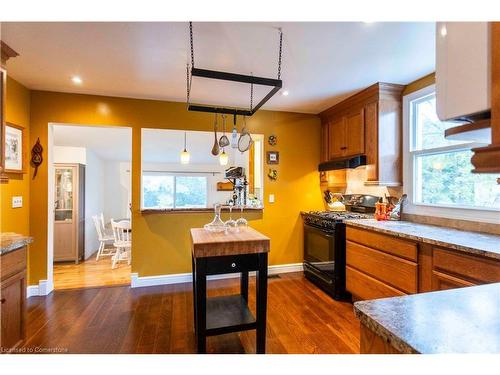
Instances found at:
x=368 y=22
x=76 y=80
x=285 y=93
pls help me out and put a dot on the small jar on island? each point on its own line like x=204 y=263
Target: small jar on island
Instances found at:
x=381 y=210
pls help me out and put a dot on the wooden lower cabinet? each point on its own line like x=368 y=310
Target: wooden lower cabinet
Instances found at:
x=13 y=298
x=442 y=281
x=371 y=343
x=381 y=265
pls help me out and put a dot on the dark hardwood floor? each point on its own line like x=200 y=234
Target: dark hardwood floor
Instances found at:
x=118 y=319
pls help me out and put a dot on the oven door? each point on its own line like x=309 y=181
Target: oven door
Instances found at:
x=319 y=248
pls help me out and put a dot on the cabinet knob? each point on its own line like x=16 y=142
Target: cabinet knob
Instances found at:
x=343 y=148
x=233 y=265
x=2 y=301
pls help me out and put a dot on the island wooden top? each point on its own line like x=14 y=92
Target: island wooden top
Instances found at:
x=210 y=244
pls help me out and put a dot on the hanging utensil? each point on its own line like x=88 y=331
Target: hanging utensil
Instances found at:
x=234 y=134
x=223 y=141
x=245 y=141
x=215 y=148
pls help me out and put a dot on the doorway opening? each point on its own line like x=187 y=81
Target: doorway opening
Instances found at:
x=90 y=192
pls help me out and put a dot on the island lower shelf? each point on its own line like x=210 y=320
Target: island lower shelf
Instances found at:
x=226 y=314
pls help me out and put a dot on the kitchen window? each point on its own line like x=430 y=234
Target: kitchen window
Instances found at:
x=437 y=172
x=164 y=190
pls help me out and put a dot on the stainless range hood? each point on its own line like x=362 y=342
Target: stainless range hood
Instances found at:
x=350 y=163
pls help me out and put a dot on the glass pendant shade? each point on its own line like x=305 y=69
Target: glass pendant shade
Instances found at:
x=185 y=157
x=223 y=158
x=185 y=154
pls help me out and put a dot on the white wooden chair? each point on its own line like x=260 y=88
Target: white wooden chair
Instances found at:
x=122 y=241
x=104 y=239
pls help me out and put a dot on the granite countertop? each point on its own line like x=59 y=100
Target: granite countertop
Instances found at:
x=465 y=320
x=470 y=242
x=12 y=241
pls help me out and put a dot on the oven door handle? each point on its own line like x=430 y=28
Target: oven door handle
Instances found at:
x=319 y=231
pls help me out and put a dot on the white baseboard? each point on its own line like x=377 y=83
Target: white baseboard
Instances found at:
x=138 y=282
x=42 y=289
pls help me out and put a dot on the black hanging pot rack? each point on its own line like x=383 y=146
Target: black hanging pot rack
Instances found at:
x=276 y=84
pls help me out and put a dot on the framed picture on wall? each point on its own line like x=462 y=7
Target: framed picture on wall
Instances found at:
x=273 y=157
x=14 y=149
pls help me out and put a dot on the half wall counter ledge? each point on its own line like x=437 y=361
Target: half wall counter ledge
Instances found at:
x=196 y=210
x=215 y=253
x=10 y=241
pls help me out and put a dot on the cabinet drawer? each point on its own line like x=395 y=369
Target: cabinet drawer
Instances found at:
x=469 y=266
x=364 y=287
x=232 y=264
x=392 y=270
x=389 y=244
x=441 y=281
x=13 y=262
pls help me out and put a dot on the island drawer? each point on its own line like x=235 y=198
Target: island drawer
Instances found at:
x=389 y=244
x=13 y=262
x=232 y=264
x=395 y=271
x=473 y=267
x=364 y=287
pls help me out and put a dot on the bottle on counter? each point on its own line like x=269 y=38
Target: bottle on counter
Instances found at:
x=380 y=210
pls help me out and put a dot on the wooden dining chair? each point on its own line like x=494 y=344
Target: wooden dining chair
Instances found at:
x=104 y=239
x=122 y=241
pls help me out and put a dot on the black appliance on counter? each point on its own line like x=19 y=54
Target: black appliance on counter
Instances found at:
x=325 y=243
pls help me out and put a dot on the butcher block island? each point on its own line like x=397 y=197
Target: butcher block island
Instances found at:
x=216 y=253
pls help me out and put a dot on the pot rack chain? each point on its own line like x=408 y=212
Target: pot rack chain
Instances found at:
x=240 y=78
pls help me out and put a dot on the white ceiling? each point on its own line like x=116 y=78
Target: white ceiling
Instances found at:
x=108 y=143
x=322 y=62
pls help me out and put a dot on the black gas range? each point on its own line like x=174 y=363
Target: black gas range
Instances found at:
x=325 y=244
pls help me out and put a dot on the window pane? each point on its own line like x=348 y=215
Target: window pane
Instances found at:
x=190 y=192
x=428 y=130
x=446 y=179
x=158 y=191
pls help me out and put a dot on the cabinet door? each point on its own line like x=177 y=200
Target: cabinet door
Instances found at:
x=355 y=133
x=336 y=136
x=324 y=142
x=12 y=295
x=441 y=281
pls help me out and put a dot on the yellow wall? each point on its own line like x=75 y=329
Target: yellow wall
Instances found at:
x=161 y=241
x=17 y=111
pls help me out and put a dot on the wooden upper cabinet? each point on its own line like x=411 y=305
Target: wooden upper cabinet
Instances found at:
x=369 y=123
x=355 y=133
x=324 y=143
x=336 y=137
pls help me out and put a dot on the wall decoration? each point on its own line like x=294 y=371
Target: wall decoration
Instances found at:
x=273 y=174
x=272 y=140
x=14 y=149
x=36 y=156
x=273 y=157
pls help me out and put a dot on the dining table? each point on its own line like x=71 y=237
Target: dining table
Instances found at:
x=215 y=253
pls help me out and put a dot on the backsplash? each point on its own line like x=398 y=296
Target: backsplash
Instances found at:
x=355 y=185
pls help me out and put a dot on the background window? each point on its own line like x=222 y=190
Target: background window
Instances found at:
x=441 y=169
x=171 y=191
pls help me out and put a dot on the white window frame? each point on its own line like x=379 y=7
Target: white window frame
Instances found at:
x=175 y=175
x=489 y=215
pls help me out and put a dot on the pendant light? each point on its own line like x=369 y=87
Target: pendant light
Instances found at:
x=223 y=158
x=185 y=154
